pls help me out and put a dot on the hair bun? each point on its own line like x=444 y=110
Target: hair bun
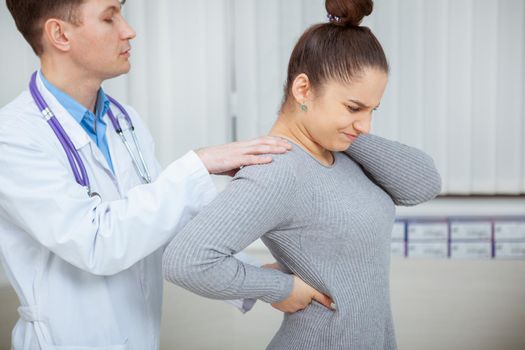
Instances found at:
x=348 y=13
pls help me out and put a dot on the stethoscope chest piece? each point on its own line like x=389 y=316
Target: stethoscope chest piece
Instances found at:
x=94 y=194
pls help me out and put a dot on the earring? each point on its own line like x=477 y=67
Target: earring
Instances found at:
x=304 y=107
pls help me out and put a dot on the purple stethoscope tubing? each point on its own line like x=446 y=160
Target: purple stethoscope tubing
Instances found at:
x=76 y=163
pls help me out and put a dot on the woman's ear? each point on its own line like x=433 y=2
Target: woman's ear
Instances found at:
x=301 y=89
x=56 y=34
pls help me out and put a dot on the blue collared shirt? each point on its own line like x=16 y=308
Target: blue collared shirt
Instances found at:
x=86 y=118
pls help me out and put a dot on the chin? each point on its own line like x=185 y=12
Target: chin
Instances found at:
x=117 y=72
x=339 y=147
x=124 y=69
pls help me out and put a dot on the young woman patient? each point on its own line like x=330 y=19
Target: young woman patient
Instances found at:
x=325 y=210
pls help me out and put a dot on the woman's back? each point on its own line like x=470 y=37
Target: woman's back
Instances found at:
x=340 y=234
x=330 y=226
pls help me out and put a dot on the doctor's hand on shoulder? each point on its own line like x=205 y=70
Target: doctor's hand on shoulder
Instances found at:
x=227 y=159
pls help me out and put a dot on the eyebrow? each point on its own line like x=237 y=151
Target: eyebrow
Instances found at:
x=362 y=105
x=112 y=8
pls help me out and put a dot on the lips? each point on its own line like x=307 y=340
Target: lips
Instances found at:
x=350 y=137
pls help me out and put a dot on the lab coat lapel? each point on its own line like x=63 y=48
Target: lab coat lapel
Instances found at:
x=120 y=158
x=76 y=133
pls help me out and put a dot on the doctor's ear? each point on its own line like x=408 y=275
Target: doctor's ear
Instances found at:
x=56 y=34
x=302 y=89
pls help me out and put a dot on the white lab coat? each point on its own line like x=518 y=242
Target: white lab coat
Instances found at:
x=87 y=271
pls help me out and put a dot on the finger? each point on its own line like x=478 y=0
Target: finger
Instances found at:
x=287 y=145
x=254 y=142
x=271 y=141
x=282 y=308
x=324 y=300
x=265 y=149
x=261 y=159
x=274 y=150
x=252 y=160
x=230 y=173
x=300 y=308
x=282 y=142
x=274 y=266
x=278 y=308
x=255 y=160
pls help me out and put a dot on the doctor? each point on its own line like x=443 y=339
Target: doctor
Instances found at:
x=85 y=211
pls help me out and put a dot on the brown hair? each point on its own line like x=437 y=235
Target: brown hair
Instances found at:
x=30 y=16
x=338 y=50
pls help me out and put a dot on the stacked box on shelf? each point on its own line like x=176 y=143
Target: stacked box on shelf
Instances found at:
x=428 y=239
x=398 y=245
x=470 y=239
x=509 y=239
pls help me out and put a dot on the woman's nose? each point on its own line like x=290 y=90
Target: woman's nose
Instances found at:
x=362 y=125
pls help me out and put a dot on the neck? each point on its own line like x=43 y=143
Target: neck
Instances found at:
x=75 y=82
x=289 y=126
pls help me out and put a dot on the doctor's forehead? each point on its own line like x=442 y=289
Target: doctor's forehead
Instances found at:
x=103 y=5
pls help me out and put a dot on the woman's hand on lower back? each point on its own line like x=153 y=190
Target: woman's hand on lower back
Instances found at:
x=301 y=296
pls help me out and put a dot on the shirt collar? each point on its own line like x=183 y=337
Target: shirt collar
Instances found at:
x=77 y=111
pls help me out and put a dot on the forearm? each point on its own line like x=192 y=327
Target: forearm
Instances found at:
x=221 y=276
x=200 y=257
x=130 y=229
x=102 y=238
x=407 y=174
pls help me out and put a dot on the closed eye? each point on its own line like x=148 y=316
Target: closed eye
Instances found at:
x=108 y=15
x=353 y=109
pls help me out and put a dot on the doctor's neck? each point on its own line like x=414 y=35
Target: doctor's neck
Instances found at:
x=77 y=83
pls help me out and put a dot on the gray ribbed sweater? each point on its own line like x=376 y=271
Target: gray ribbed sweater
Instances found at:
x=331 y=226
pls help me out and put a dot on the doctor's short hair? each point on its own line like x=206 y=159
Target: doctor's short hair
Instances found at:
x=30 y=16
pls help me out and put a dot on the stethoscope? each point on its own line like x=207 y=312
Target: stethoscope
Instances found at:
x=76 y=163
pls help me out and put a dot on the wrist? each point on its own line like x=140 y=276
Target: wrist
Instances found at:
x=201 y=153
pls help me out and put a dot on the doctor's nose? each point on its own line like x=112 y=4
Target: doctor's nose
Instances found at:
x=127 y=32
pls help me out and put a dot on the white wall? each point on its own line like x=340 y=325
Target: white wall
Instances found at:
x=180 y=79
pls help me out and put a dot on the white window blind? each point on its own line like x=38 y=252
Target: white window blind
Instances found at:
x=456 y=89
x=180 y=78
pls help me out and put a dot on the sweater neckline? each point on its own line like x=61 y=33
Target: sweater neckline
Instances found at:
x=310 y=155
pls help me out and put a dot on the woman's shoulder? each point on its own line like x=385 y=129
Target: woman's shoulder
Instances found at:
x=283 y=169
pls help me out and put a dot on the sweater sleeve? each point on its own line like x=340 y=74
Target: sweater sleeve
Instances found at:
x=201 y=256
x=407 y=174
